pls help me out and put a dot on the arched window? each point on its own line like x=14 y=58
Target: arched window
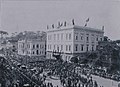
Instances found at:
x=33 y=52
x=33 y=46
x=37 y=45
x=37 y=52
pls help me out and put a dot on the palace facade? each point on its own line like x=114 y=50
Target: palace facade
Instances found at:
x=72 y=40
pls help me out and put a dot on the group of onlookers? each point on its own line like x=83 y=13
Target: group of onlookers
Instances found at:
x=34 y=74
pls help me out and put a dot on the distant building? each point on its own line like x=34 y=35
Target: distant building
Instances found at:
x=13 y=45
x=31 y=47
x=72 y=40
x=31 y=43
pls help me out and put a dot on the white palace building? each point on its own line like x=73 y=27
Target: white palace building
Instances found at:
x=72 y=40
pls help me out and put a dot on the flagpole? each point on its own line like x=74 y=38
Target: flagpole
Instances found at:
x=86 y=22
x=0 y=18
x=0 y=14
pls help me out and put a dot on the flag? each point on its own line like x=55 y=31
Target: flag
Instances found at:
x=47 y=27
x=73 y=22
x=85 y=24
x=58 y=24
x=65 y=23
x=102 y=27
x=61 y=24
x=52 y=25
x=87 y=20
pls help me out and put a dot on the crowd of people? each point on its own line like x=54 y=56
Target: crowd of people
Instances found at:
x=68 y=77
x=35 y=74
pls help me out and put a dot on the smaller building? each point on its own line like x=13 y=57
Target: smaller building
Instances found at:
x=31 y=47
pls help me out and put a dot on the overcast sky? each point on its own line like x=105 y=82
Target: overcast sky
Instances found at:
x=21 y=15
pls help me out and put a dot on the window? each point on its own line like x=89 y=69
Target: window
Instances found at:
x=92 y=38
x=54 y=36
x=27 y=52
x=82 y=47
x=27 y=46
x=97 y=38
x=76 y=36
x=66 y=36
x=69 y=47
x=62 y=36
x=61 y=47
x=57 y=36
x=48 y=37
x=93 y=35
x=69 y=36
x=100 y=39
x=81 y=37
x=42 y=46
x=37 y=46
x=23 y=45
x=50 y=47
x=23 y=51
x=66 y=47
x=87 y=47
x=92 y=47
x=76 y=47
x=58 y=47
x=54 y=47
x=37 y=52
x=87 y=38
x=66 y=58
x=33 y=52
x=33 y=46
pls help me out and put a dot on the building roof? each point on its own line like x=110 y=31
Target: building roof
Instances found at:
x=31 y=40
x=75 y=27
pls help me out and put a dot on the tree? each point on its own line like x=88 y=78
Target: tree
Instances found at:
x=74 y=59
x=3 y=33
x=105 y=38
x=117 y=42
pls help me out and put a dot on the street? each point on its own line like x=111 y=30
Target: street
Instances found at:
x=105 y=82
x=55 y=82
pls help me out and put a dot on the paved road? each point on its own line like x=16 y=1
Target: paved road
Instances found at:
x=105 y=82
x=54 y=82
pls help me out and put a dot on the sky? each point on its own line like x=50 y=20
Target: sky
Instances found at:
x=35 y=15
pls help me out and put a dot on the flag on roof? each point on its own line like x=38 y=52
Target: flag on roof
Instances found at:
x=85 y=24
x=87 y=20
x=73 y=22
